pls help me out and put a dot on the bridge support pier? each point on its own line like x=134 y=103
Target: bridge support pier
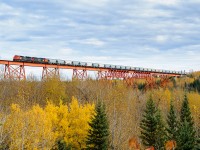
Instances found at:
x=50 y=72
x=130 y=78
x=79 y=74
x=14 y=72
x=106 y=75
x=111 y=74
x=101 y=75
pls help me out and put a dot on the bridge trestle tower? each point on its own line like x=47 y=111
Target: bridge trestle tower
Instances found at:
x=49 y=72
x=79 y=74
x=111 y=74
x=14 y=72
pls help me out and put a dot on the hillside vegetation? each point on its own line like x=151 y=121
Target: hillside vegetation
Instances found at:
x=46 y=114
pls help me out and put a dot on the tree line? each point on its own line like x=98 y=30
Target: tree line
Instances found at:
x=124 y=109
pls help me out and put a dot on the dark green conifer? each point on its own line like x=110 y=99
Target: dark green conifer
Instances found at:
x=185 y=112
x=99 y=132
x=63 y=146
x=160 y=132
x=186 y=137
x=172 y=123
x=198 y=143
x=186 y=132
x=152 y=129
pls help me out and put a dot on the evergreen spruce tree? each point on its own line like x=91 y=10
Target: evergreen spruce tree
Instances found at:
x=160 y=132
x=185 y=112
x=172 y=123
x=198 y=138
x=198 y=144
x=186 y=138
x=186 y=132
x=152 y=129
x=62 y=145
x=98 y=134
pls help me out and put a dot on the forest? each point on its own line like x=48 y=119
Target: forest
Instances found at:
x=57 y=114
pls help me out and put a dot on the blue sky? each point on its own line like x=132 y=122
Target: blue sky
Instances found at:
x=161 y=34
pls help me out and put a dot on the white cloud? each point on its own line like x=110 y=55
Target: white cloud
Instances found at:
x=98 y=59
x=67 y=54
x=164 y=2
x=145 y=11
x=7 y=9
x=9 y=14
x=191 y=53
x=150 y=12
x=194 y=1
x=90 y=41
x=66 y=51
x=161 y=38
x=95 y=3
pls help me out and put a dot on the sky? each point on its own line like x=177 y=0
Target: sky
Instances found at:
x=160 y=34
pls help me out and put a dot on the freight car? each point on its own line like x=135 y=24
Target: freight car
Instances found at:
x=83 y=64
x=128 y=68
x=57 y=61
x=107 y=66
x=96 y=65
x=89 y=64
x=75 y=63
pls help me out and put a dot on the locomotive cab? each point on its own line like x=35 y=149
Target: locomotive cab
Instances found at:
x=17 y=58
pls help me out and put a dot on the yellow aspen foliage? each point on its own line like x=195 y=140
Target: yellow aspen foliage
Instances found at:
x=3 y=132
x=167 y=95
x=15 y=108
x=78 y=118
x=51 y=111
x=163 y=96
x=70 y=123
x=196 y=74
x=194 y=99
x=181 y=81
x=41 y=128
x=29 y=129
x=53 y=89
x=194 y=102
x=63 y=122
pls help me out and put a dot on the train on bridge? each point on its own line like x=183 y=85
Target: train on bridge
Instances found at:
x=29 y=59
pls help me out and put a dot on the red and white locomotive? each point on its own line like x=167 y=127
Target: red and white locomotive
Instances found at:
x=30 y=59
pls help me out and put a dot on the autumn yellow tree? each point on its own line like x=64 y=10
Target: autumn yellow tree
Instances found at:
x=78 y=118
x=53 y=89
x=29 y=129
x=70 y=123
x=41 y=128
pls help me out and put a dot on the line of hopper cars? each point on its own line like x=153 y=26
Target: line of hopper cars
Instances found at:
x=87 y=64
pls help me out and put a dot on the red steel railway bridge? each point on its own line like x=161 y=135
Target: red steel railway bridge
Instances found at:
x=16 y=70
